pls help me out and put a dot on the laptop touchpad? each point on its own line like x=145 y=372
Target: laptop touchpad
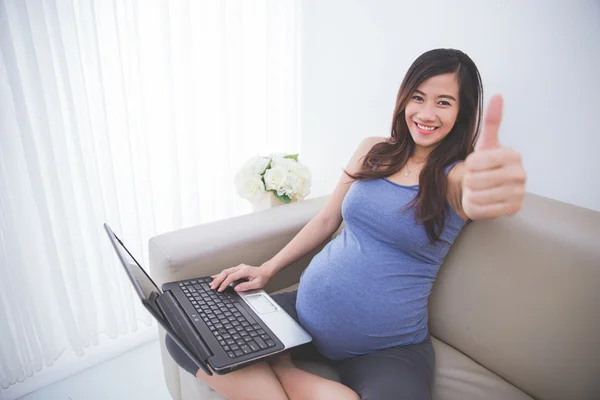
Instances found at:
x=260 y=303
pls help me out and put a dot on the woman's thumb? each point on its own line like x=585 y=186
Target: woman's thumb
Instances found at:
x=244 y=286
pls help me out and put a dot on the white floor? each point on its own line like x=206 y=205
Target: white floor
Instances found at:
x=136 y=374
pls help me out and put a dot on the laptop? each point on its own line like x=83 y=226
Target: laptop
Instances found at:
x=226 y=331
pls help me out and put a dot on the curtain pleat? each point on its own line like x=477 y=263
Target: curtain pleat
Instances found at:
x=133 y=113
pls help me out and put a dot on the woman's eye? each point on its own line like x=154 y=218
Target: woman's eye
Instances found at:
x=418 y=98
x=444 y=103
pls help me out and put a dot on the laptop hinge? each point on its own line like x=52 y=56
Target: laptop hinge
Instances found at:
x=181 y=325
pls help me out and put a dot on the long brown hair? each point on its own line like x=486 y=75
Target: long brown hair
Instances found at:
x=388 y=157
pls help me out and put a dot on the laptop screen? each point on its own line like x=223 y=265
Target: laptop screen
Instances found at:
x=142 y=283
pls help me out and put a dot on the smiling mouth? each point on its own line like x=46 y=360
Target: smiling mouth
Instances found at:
x=426 y=127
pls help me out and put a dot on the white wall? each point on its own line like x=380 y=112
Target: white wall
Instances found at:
x=543 y=56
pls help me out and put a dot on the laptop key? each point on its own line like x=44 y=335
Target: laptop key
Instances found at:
x=270 y=343
x=240 y=342
x=248 y=338
x=260 y=332
x=265 y=336
x=234 y=347
x=238 y=353
x=260 y=343
x=253 y=334
x=236 y=337
x=230 y=341
x=253 y=346
x=246 y=349
x=231 y=354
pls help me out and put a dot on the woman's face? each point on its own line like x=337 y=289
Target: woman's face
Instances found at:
x=432 y=110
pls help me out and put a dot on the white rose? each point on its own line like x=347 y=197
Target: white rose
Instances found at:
x=287 y=163
x=276 y=179
x=302 y=182
x=256 y=165
x=249 y=186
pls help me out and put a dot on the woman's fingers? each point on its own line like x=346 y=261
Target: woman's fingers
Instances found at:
x=239 y=274
x=220 y=277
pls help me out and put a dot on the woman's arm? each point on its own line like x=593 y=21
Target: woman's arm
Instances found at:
x=324 y=224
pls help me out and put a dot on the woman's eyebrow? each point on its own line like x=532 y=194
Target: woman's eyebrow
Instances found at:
x=446 y=96
x=441 y=96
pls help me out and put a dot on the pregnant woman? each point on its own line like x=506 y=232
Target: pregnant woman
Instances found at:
x=404 y=200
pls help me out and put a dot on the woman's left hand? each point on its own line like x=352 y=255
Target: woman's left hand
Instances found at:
x=494 y=180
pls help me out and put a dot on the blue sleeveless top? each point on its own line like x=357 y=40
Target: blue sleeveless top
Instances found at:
x=367 y=289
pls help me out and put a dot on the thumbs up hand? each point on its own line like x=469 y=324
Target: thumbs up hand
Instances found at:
x=494 y=180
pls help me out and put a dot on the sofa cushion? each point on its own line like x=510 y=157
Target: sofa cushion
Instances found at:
x=457 y=377
x=519 y=295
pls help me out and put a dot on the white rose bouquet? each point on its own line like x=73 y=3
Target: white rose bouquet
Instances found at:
x=283 y=175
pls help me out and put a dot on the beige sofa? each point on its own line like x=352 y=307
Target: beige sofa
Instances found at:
x=515 y=310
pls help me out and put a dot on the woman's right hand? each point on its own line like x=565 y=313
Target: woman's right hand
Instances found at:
x=257 y=278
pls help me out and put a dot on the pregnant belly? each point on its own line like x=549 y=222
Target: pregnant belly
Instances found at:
x=349 y=314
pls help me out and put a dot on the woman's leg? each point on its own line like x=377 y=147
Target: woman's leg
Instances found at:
x=254 y=382
x=299 y=384
x=402 y=373
x=260 y=381
x=302 y=385
x=278 y=380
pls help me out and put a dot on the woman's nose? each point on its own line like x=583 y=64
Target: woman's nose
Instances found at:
x=426 y=114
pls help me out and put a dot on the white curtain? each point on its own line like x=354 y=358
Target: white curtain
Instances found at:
x=132 y=112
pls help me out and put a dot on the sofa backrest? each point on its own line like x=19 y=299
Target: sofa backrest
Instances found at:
x=520 y=295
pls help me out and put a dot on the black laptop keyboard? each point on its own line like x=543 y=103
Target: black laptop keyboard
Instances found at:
x=236 y=334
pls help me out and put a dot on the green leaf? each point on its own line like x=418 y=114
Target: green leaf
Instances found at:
x=267 y=167
x=292 y=156
x=284 y=198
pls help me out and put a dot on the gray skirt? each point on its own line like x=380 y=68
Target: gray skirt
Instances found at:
x=401 y=372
